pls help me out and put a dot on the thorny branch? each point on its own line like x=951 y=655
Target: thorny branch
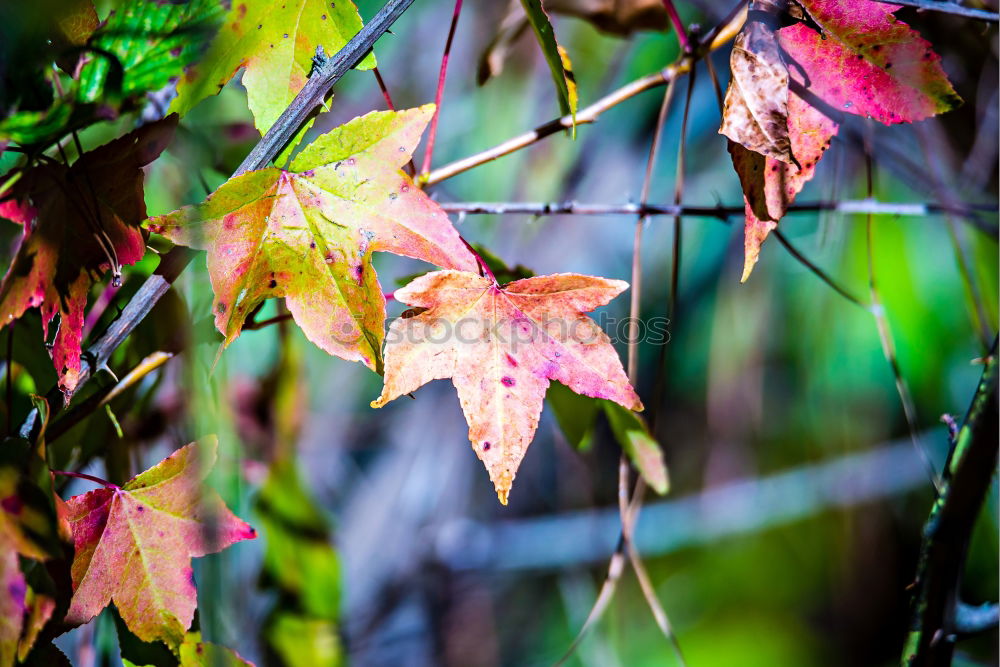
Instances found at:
x=938 y=616
x=855 y=206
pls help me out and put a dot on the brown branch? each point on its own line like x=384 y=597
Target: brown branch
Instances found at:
x=967 y=476
x=322 y=79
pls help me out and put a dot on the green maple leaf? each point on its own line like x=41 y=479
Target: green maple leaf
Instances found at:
x=275 y=40
x=134 y=544
x=307 y=234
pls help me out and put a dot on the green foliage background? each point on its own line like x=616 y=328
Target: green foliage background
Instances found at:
x=777 y=375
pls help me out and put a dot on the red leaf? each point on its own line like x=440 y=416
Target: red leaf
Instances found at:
x=134 y=544
x=501 y=346
x=867 y=62
x=78 y=222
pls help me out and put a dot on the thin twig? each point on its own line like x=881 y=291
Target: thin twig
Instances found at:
x=442 y=75
x=948 y=8
x=675 y=20
x=822 y=275
x=888 y=346
x=591 y=113
x=384 y=89
x=268 y=322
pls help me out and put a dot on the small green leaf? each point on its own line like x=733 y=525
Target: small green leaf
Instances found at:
x=633 y=435
x=300 y=640
x=555 y=56
x=574 y=413
x=144 y=44
x=196 y=653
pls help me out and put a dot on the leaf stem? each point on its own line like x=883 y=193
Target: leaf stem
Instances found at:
x=442 y=75
x=90 y=478
x=675 y=19
x=385 y=91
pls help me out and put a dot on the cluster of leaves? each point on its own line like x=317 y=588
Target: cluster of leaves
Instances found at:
x=797 y=67
x=305 y=232
x=131 y=545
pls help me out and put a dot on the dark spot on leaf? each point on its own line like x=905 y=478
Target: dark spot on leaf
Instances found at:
x=140 y=508
x=323 y=17
x=273 y=284
x=486 y=446
x=888 y=65
x=221 y=307
x=312 y=244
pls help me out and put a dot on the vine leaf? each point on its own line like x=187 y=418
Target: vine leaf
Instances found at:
x=867 y=62
x=39 y=608
x=144 y=45
x=864 y=62
x=13 y=604
x=275 y=42
x=501 y=346
x=632 y=433
x=134 y=544
x=617 y=17
x=78 y=222
x=308 y=234
x=770 y=186
x=555 y=56
x=755 y=113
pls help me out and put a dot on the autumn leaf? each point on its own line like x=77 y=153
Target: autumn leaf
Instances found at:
x=39 y=608
x=501 y=346
x=275 y=42
x=555 y=56
x=867 y=62
x=12 y=602
x=78 y=222
x=134 y=544
x=755 y=113
x=770 y=186
x=307 y=234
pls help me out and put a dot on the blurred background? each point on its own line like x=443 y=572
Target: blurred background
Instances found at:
x=792 y=526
